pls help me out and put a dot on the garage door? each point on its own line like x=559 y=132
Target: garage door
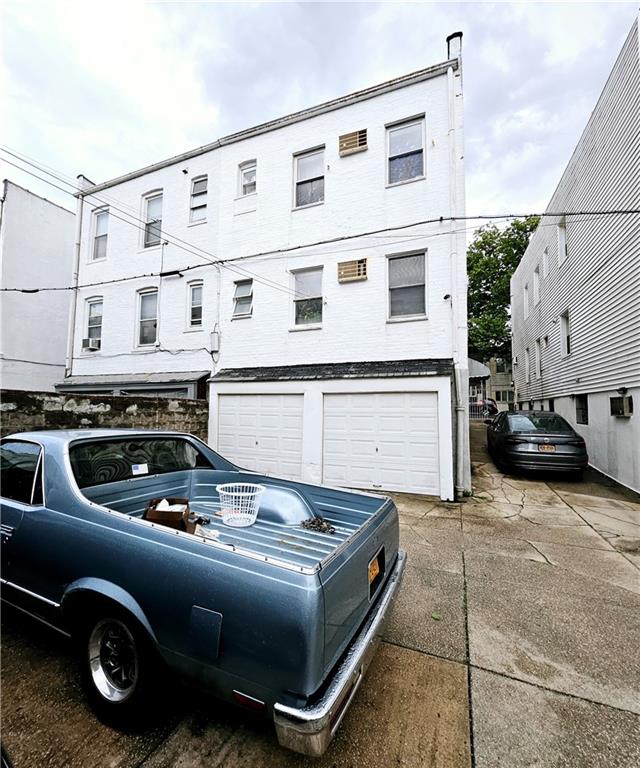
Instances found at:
x=382 y=440
x=262 y=433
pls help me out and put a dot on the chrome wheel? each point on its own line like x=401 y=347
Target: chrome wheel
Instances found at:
x=113 y=660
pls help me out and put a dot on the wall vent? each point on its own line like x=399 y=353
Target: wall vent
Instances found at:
x=350 y=271
x=621 y=406
x=350 y=143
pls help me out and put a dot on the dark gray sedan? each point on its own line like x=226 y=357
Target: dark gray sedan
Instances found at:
x=535 y=440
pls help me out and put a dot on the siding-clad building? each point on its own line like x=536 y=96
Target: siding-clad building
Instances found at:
x=575 y=296
x=303 y=265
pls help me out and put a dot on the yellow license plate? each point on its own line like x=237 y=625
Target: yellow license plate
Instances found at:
x=547 y=448
x=374 y=569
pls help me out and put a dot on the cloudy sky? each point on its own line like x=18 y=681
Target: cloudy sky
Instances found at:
x=104 y=88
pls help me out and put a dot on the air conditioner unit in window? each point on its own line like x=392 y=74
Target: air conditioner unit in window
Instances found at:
x=91 y=344
x=621 y=406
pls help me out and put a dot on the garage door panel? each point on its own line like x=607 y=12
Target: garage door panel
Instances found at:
x=402 y=426
x=262 y=432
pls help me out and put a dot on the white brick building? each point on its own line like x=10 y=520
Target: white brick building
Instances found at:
x=36 y=250
x=575 y=296
x=302 y=276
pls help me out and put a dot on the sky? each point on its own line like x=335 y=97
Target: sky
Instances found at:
x=105 y=88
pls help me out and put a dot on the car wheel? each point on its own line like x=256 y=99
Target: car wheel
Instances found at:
x=118 y=668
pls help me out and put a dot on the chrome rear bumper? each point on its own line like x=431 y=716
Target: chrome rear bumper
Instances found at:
x=309 y=730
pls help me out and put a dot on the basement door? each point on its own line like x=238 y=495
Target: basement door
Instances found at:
x=262 y=433
x=382 y=440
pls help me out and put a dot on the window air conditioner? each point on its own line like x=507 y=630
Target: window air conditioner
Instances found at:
x=91 y=344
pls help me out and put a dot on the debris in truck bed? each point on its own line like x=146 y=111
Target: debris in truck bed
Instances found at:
x=318 y=524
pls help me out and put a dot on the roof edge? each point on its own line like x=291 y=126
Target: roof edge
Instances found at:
x=403 y=81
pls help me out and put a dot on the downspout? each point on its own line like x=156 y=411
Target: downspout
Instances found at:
x=82 y=183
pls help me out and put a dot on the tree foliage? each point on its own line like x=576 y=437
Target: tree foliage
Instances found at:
x=492 y=258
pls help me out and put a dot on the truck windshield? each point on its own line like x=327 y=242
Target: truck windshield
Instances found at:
x=106 y=461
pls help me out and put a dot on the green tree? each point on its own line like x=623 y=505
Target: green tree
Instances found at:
x=492 y=258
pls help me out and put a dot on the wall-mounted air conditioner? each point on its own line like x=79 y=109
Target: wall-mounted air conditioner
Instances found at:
x=91 y=345
x=621 y=406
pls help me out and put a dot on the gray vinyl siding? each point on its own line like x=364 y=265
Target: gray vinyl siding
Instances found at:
x=599 y=282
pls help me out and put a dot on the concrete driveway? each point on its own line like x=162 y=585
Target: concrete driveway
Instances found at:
x=515 y=642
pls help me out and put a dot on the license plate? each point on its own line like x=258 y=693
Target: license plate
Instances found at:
x=374 y=569
x=547 y=448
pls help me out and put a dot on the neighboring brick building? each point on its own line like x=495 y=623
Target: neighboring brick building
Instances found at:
x=306 y=268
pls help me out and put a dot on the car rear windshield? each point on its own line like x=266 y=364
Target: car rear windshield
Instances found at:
x=538 y=422
x=106 y=461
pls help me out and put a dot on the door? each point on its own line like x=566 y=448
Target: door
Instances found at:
x=382 y=440
x=262 y=433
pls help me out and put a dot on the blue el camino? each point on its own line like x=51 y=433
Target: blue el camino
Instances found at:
x=279 y=616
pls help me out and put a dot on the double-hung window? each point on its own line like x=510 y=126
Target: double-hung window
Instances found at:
x=536 y=286
x=545 y=262
x=243 y=298
x=94 y=323
x=100 y=238
x=562 y=240
x=148 y=318
x=407 y=287
x=195 y=305
x=247 y=180
x=308 y=296
x=198 y=201
x=405 y=146
x=525 y=300
x=582 y=409
x=538 y=359
x=565 y=334
x=309 y=177
x=153 y=220
x=527 y=365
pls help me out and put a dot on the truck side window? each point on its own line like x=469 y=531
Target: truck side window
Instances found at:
x=18 y=466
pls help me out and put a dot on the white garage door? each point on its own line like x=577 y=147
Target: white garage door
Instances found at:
x=262 y=433
x=383 y=440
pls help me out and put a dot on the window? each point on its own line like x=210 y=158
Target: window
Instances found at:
x=309 y=178
x=504 y=396
x=21 y=472
x=545 y=262
x=100 y=239
x=536 y=286
x=153 y=220
x=552 y=404
x=582 y=409
x=198 y=203
x=243 y=298
x=407 y=288
x=525 y=300
x=195 y=305
x=405 y=146
x=562 y=241
x=94 y=322
x=565 y=334
x=538 y=360
x=248 y=172
x=526 y=364
x=148 y=324
x=308 y=296
x=502 y=365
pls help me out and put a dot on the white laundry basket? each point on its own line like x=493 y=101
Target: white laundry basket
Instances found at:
x=239 y=503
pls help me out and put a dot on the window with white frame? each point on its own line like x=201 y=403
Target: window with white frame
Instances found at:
x=247 y=178
x=407 y=285
x=562 y=240
x=405 y=148
x=536 y=286
x=538 y=360
x=153 y=220
x=527 y=363
x=243 y=298
x=525 y=300
x=198 y=200
x=148 y=317
x=565 y=334
x=309 y=177
x=545 y=262
x=94 y=323
x=308 y=296
x=195 y=305
x=100 y=237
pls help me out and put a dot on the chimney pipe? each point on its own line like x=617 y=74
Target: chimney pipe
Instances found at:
x=454 y=45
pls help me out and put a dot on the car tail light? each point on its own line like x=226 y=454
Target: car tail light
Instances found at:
x=577 y=441
x=515 y=440
x=248 y=701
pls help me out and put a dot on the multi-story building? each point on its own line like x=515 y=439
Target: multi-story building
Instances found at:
x=36 y=252
x=500 y=383
x=575 y=296
x=311 y=269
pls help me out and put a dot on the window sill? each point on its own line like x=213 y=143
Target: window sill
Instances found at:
x=309 y=327
x=197 y=223
x=406 y=181
x=304 y=207
x=199 y=329
x=407 y=319
x=246 y=316
x=246 y=197
x=96 y=261
x=150 y=248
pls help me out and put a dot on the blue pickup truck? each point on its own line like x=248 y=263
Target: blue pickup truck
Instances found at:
x=281 y=617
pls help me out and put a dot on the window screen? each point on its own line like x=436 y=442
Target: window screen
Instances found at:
x=407 y=285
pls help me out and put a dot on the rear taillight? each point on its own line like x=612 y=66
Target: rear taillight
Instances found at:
x=578 y=441
x=515 y=440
